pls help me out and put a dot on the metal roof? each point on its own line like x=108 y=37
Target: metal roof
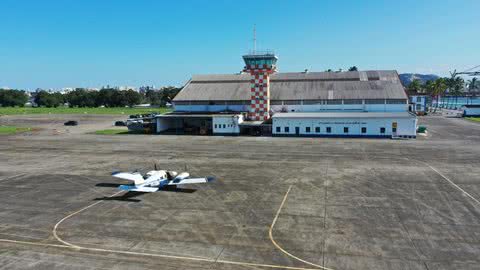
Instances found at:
x=379 y=84
x=344 y=115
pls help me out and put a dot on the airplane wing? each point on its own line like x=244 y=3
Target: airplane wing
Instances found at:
x=135 y=177
x=191 y=181
x=138 y=188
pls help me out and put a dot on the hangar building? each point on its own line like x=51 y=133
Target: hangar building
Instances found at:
x=261 y=101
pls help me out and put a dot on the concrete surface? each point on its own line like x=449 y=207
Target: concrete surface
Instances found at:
x=351 y=203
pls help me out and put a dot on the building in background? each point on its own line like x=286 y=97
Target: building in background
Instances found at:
x=471 y=110
x=418 y=103
x=261 y=101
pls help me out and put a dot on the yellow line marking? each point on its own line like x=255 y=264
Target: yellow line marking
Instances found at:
x=179 y=257
x=270 y=234
x=54 y=231
x=153 y=255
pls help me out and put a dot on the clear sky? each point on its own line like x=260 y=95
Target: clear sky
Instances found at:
x=90 y=43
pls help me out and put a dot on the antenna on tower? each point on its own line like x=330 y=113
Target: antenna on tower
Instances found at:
x=254 y=38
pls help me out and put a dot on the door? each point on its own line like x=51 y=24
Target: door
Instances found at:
x=394 y=129
x=297 y=131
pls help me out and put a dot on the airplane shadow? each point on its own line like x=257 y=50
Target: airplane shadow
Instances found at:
x=127 y=197
x=176 y=189
x=130 y=195
x=111 y=185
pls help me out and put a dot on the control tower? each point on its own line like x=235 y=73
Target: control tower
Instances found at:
x=260 y=65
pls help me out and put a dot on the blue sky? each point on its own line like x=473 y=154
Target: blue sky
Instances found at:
x=90 y=43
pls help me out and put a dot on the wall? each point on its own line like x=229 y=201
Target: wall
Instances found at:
x=298 y=108
x=164 y=124
x=210 y=108
x=471 y=111
x=231 y=123
x=405 y=126
x=422 y=102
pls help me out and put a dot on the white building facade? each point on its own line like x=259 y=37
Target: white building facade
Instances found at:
x=418 y=103
x=227 y=124
x=471 y=110
x=401 y=124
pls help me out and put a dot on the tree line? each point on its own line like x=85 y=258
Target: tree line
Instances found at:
x=11 y=98
x=81 y=97
x=453 y=86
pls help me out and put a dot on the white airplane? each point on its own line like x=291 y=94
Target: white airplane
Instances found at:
x=154 y=180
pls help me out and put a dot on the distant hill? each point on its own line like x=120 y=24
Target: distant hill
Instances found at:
x=407 y=78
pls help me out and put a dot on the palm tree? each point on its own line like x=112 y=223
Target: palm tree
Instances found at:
x=472 y=84
x=435 y=89
x=415 y=86
x=455 y=85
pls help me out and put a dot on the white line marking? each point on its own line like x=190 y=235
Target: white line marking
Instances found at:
x=453 y=184
x=270 y=234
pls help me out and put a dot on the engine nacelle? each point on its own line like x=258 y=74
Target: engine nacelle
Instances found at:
x=182 y=176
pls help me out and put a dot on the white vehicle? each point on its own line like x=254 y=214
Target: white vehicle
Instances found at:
x=154 y=180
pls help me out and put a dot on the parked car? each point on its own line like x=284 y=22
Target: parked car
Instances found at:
x=71 y=123
x=120 y=124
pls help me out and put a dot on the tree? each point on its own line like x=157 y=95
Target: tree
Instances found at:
x=11 y=98
x=436 y=88
x=168 y=94
x=132 y=97
x=354 y=68
x=81 y=97
x=473 y=84
x=153 y=97
x=415 y=86
x=104 y=97
x=455 y=86
x=43 y=98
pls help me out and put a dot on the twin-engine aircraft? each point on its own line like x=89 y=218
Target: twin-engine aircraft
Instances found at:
x=155 y=180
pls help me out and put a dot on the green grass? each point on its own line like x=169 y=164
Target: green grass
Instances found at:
x=476 y=119
x=9 y=130
x=112 y=131
x=67 y=110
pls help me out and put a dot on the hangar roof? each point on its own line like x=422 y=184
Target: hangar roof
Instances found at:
x=375 y=84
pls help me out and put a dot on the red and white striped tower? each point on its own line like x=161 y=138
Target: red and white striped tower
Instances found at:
x=260 y=66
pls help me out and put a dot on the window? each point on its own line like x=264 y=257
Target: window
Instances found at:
x=374 y=101
x=364 y=130
x=224 y=126
x=334 y=102
x=419 y=99
x=345 y=130
x=382 y=130
x=287 y=129
x=278 y=129
x=307 y=129
x=317 y=130
x=394 y=129
x=329 y=130
x=396 y=101
x=352 y=101
x=418 y=107
x=215 y=125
